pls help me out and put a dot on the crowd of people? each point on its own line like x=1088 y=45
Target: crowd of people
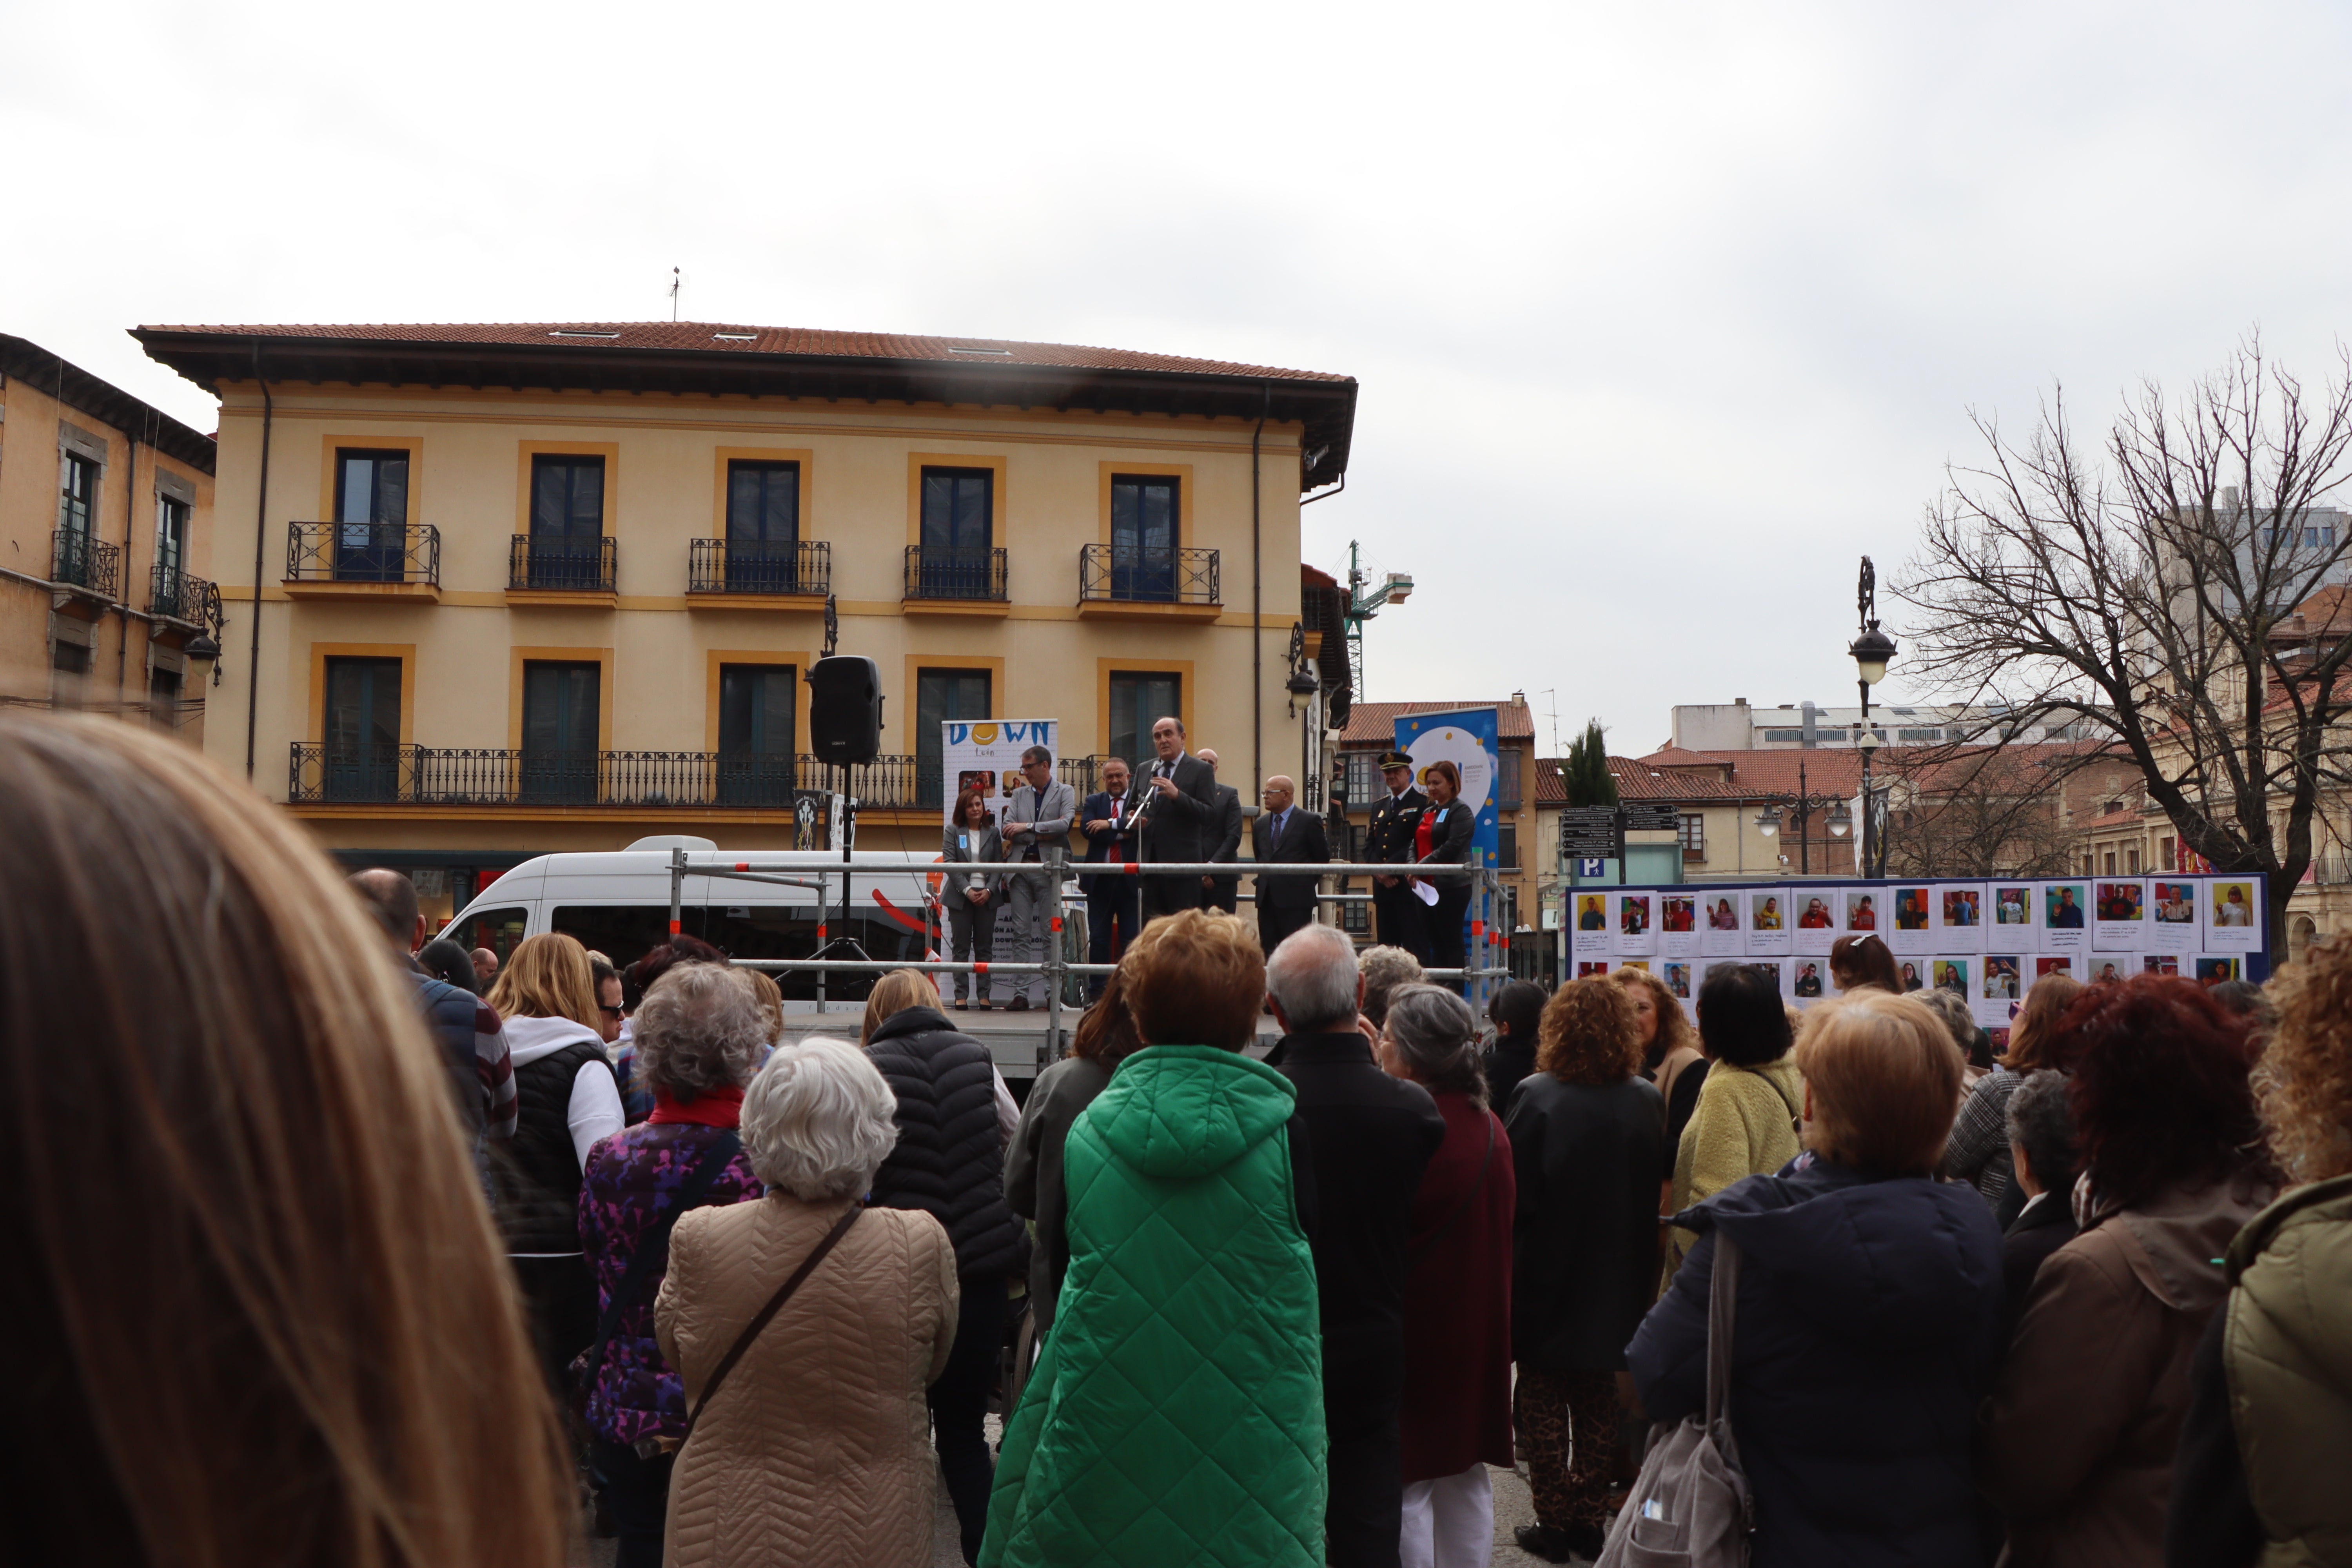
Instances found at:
x=326 y=1258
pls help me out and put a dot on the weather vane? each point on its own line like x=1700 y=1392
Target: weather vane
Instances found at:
x=1867 y=594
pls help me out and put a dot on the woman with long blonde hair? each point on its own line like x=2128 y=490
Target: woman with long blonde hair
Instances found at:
x=567 y=1101
x=247 y=1252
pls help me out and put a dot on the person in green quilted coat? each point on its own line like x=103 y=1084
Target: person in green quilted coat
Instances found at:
x=1176 y=1414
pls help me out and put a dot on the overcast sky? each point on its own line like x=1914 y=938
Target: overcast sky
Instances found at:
x=1664 y=315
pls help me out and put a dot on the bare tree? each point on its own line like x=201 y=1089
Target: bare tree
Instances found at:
x=2149 y=586
x=1983 y=811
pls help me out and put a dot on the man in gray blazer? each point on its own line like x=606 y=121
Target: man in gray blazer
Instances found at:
x=1037 y=820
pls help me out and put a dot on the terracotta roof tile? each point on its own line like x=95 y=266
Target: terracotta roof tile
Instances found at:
x=1374 y=724
x=720 y=338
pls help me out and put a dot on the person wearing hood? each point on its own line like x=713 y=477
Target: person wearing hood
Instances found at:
x=1176 y=1413
x=950 y=1163
x=2078 y=1442
x=567 y=1101
x=1371 y=1137
x=1745 y=1121
x=1868 y=1318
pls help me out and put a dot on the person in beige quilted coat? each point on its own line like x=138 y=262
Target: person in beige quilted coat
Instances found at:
x=816 y=1448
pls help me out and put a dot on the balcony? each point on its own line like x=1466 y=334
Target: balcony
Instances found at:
x=743 y=574
x=560 y=572
x=1123 y=584
x=954 y=579
x=363 y=560
x=81 y=564
x=175 y=596
x=320 y=775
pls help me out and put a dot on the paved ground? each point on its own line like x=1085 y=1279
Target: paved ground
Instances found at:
x=1512 y=1507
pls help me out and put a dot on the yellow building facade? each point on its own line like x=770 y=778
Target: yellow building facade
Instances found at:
x=538 y=588
x=106 y=511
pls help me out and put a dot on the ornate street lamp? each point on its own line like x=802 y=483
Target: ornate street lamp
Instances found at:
x=1872 y=651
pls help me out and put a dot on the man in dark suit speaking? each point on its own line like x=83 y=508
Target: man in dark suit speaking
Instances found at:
x=1176 y=820
x=1283 y=835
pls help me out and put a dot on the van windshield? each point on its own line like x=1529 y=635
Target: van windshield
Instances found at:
x=625 y=932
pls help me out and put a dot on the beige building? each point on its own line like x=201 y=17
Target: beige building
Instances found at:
x=106 y=516
x=533 y=588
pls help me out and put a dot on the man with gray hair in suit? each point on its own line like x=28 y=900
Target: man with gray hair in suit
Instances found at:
x=1037 y=820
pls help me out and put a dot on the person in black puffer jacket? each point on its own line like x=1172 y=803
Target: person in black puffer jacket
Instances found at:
x=949 y=1163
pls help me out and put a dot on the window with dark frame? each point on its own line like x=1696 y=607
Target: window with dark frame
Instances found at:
x=78 y=497
x=958 y=533
x=1694 y=836
x=1138 y=699
x=1507 y=847
x=763 y=527
x=171 y=534
x=944 y=696
x=567 y=521
x=1144 y=524
x=360 y=730
x=371 y=514
x=756 y=711
x=561 y=716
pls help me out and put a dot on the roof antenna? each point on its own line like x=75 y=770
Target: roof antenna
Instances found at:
x=677 y=281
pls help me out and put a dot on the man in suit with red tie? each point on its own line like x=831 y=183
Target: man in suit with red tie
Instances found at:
x=1284 y=835
x=1110 y=900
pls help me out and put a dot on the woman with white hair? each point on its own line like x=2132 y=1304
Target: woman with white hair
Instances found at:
x=808 y=1437
x=699 y=1034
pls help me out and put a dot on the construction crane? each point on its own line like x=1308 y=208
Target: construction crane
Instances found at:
x=1394 y=589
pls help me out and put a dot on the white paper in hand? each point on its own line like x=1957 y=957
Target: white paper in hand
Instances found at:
x=1426 y=892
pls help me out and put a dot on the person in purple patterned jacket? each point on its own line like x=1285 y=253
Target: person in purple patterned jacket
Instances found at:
x=699 y=1034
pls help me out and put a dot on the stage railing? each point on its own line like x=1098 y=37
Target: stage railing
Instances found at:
x=1058 y=868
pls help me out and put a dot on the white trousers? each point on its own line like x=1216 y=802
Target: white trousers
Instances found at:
x=1449 y=1522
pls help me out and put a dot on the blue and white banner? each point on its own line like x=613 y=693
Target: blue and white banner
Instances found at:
x=985 y=753
x=1469 y=740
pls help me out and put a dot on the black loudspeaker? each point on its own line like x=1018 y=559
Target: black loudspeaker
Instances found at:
x=845 y=710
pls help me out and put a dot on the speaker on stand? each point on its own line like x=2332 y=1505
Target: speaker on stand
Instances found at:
x=844 y=729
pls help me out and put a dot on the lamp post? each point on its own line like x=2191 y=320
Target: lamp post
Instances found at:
x=1870 y=652
x=1801 y=806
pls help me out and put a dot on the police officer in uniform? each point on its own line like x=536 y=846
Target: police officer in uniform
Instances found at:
x=1389 y=842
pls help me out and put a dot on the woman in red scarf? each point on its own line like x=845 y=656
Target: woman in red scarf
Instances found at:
x=699 y=1034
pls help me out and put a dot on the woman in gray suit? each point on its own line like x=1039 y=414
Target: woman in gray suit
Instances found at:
x=971 y=901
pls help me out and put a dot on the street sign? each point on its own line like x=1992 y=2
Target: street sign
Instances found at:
x=1652 y=817
x=1591 y=867
x=1602 y=817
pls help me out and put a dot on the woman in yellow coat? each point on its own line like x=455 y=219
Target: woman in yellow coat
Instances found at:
x=1753 y=1101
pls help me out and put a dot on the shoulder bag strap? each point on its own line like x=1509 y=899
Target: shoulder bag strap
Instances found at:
x=1468 y=1199
x=1722 y=1299
x=775 y=1304
x=654 y=1243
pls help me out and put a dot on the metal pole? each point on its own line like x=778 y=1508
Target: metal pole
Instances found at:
x=1056 y=858
x=1804 y=815
x=1869 y=838
x=824 y=891
x=676 y=887
x=1617 y=823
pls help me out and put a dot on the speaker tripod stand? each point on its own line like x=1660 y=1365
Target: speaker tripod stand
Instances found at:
x=845 y=946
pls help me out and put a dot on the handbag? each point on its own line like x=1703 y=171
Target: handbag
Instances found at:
x=775 y=1304
x=1691 y=1508
x=653 y=1246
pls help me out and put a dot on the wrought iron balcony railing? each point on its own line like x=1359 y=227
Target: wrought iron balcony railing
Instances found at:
x=181 y=596
x=954 y=571
x=363 y=552
x=754 y=567
x=382 y=774
x=1113 y=572
x=80 y=561
x=561 y=566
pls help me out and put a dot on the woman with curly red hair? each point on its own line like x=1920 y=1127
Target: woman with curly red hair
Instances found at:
x=1588 y=1141
x=2259 y=1475
x=2076 y=1445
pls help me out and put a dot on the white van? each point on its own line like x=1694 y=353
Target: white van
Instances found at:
x=618 y=903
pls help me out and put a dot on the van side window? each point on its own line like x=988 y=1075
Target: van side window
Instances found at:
x=500 y=931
